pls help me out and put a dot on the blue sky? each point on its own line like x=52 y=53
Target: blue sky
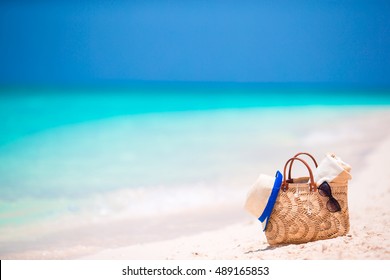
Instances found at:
x=116 y=42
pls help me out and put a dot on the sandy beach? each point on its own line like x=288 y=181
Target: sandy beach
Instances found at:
x=369 y=205
x=223 y=230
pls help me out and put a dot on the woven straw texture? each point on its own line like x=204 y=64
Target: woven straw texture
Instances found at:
x=301 y=215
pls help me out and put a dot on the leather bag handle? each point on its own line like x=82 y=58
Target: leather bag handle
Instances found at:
x=313 y=186
x=298 y=154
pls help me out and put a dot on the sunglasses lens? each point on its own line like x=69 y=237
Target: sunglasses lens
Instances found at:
x=323 y=192
x=333 y=205
x=324 y=189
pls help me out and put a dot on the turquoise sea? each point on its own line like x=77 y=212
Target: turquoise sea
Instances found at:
x=81 y=156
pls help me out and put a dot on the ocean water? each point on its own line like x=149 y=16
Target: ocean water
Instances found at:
x=71 y=157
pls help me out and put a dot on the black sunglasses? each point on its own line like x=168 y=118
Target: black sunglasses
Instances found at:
x=332 y=204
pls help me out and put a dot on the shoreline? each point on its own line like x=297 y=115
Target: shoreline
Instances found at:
x=128 y=232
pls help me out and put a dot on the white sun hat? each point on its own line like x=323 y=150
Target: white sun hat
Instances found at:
x=258 y=195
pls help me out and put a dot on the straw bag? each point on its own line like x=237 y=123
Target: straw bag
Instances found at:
x=306 y=212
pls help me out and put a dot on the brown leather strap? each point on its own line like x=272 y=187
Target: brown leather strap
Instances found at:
x=298 y=154
x=313 y=186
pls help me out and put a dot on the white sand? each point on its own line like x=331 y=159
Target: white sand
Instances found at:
x=369 y=205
